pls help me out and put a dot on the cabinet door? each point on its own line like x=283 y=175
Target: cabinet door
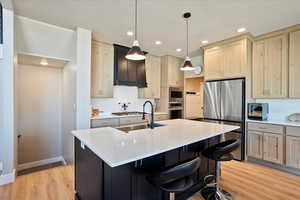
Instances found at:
x=270 y=67
x=153 y=72
x=294 y=67
x=213 y=63
x=273 y=148
x=255 y=144
x=193 y=106
x=175 y=75
x=292 y=152
x=102 y=70
x=234 y=59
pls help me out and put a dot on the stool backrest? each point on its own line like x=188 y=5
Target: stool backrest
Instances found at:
x=224 y=148
x=177 y=172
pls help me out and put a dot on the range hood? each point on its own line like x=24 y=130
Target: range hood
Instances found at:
x=128 y=72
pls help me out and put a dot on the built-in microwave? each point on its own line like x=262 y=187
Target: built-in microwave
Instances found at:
x=176 y=94
x=258 y=111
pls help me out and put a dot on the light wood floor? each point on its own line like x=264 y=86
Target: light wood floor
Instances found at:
x=245 y=181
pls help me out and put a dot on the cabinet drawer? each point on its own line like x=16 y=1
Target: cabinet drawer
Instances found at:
x=293 y=131
x=129 y=120
x=266 y=128
x=97 y=123
x=161 y=117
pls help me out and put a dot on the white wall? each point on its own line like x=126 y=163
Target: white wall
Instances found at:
x=42 y=39
x=39 y=112
x=279 y=109
x=68 y=111
x=121 y=94
x=7 y=94
x=83 y=80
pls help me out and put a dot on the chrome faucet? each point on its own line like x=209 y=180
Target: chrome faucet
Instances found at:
x=152 y=113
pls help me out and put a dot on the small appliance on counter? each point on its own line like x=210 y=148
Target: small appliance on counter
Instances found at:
x=258 y=111
x=294 y=117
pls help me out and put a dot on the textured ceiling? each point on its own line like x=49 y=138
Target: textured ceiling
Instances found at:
x=211 y=20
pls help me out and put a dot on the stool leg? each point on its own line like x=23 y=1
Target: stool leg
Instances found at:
x=172 y=196
x=221 y=194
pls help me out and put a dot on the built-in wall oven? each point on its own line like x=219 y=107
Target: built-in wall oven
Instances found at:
x=175 y=94
x=176 y=102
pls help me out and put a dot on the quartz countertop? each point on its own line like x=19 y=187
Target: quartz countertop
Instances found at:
x=116 y=147
x=276 y=122
x=111 y=116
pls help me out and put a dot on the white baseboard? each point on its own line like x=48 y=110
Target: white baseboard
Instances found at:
x=8 y=178
x=41 y=163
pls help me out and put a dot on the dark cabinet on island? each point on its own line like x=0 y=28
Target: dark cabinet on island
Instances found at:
x=95 y=180
x=111 y=164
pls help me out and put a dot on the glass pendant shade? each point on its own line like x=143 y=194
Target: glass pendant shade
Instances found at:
x=135 y=53
x=187 y=65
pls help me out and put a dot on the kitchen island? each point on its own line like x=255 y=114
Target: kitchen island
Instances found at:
x=111 y=164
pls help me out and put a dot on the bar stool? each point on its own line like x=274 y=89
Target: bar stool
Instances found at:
x=176 y=179
x=220 y=152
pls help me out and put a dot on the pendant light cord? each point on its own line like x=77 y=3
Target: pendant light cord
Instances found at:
x=187 y=37
x=135 y=21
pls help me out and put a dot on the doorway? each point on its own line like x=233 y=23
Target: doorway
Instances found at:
x=39 y=111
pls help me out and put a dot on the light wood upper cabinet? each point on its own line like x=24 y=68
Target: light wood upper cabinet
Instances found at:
x=270 y=67
x=230 y=59
x=213 y=62
x=175 y=75
x=171 y=75
x=292 y=152
x=294 y=65
x=273 y=148
x=255 y=144
x=153 y=77
x=102 y=70
x=234 y=59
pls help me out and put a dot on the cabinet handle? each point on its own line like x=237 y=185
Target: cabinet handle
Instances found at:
x=135 y=164
x=141 y=163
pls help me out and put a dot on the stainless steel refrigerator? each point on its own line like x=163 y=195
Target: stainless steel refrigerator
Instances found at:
x=224 y=103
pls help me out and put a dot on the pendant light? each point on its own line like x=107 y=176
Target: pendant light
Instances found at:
x=187 y=65
x=135 y=53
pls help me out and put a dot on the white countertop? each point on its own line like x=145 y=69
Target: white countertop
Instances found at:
x=276 y=122
x=117 y=148
x=111 y=116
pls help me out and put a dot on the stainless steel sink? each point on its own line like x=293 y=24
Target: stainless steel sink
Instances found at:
x=138 y=127
x=127 y=113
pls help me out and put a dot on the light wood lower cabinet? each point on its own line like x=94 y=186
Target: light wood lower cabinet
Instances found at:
x=255 y=144
x=293 y=152
x=266 y=142
x=273 y=148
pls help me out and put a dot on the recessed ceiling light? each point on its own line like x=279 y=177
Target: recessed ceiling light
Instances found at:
x=44 y=62
x=178 y=50
x=240 y=30
x=130 y=33
x=158 y=42
x=204 y=42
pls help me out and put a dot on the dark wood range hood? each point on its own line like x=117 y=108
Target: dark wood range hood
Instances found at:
x=128 y=72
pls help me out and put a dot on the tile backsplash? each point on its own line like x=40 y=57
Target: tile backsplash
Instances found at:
x=122 y=94
x=280 y=109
